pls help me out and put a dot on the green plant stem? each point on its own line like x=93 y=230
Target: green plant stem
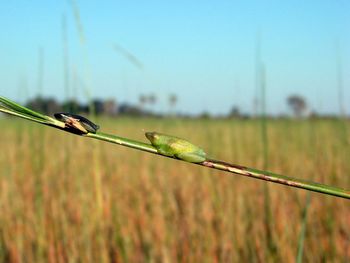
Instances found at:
x=123 y=141
x=281 y=179
x=236 y=169
x=52 y=122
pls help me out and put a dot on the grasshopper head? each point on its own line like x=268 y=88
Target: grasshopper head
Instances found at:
x=153 y=137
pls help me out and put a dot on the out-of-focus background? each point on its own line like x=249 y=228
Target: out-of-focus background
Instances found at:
x=260 y=84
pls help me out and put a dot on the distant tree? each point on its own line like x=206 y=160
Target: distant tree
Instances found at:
x=110 y=107
x=36 y=104
x=142 y=101
x=130 y=110
x=152 y=99
x=98 y=106
x=314 y=114
x=297 y=104
x=72 y=106
x=51 y=106
x=172 y=102
x=235 y=112
x=204 y=115
x=44 y=105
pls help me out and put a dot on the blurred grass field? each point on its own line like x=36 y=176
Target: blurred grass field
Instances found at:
x=65 y=198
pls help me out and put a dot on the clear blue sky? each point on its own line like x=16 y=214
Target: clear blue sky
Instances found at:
x=204 y=51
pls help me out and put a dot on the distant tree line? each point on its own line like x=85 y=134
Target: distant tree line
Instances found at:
x=50 y=106
x=109 y=107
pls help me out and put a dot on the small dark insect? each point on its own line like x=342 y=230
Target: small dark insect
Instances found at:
x=77 y=122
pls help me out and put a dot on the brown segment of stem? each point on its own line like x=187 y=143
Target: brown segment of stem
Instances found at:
x=276 y=178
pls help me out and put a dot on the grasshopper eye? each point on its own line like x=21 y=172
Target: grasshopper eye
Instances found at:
x=152 y=136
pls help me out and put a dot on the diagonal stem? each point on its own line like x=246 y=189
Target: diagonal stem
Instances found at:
x=277 y=178
x=233 y=168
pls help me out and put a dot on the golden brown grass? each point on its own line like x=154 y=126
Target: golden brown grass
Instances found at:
x=66 y=198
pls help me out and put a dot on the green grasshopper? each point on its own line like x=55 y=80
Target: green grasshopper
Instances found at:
x=176 y=147
x=77 y=122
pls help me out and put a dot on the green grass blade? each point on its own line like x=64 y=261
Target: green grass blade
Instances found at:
x=13 y=108
x=303 y=230
x=21 y=109
x=21 y=115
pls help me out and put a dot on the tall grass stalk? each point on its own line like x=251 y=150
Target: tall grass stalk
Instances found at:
x=65 y=57
x=302 y=234
x=339 y=72
x=305 y=211
x=261 y=88
x=340 y=90
x=97 y=171
x=86 y=64
x=40 y=70
x=13 y=108
x=265 y=145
